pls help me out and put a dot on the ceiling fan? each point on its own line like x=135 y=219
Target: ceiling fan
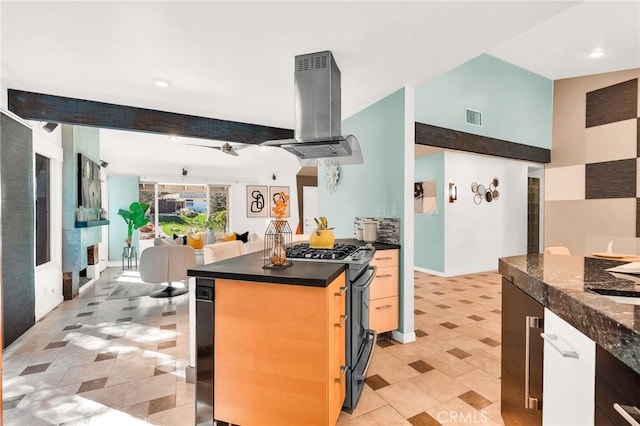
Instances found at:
x=226 y=148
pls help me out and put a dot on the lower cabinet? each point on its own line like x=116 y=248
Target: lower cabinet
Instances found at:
x=617 y=392
x=569 y=374
x=279 y=353
x=384 y=304
x=522 y=357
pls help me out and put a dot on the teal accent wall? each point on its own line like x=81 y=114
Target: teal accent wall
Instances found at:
x=76 y=140
x=429 y=228
x=516 y=104
x=123 y=190
x=374 y=188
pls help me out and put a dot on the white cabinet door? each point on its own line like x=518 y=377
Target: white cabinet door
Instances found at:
x=569 y=374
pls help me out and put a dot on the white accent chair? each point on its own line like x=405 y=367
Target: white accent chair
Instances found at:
x=166 y=264
x=557 y=250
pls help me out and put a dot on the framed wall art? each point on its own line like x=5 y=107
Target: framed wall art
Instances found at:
x=257 y=201
x=279 y=200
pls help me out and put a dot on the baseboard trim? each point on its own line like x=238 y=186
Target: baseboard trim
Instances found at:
x=429 y=271
x=190 y=374
x=403 y=337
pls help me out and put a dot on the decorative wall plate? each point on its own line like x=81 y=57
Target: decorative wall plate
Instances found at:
x=332 y=177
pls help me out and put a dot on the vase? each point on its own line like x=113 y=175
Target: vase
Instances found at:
x=276 y=240
x=81 y=215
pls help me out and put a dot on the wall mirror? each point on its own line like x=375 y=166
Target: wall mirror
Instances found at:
x=424 y=197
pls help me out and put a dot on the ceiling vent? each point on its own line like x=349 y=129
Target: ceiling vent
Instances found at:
x=473 y=117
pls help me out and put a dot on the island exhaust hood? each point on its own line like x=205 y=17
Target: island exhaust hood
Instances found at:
x=317 y=105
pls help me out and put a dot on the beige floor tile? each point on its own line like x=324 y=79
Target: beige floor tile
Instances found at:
x=448 y=364
x=112 y=396
x=173 y=417
x=185 y=393
x=393 y=370
x=126 y=370
x=486 y=361
x=383 y=416
x=439 y=386
x=140 y=410
x=150 y=388
x=468 y=344
x=483 y=383
x=407 y=398
x=84 y=373
x=369 y=401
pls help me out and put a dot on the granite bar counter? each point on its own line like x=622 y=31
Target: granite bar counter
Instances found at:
x=567 y=286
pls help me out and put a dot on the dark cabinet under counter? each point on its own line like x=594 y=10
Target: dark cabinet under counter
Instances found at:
x=522 y=357
x=618 y=384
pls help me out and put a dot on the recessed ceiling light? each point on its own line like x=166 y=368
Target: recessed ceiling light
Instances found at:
x=161 y=83
x=173 y=138
x=596 y=53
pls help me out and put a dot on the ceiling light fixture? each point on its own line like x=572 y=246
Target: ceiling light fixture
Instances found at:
x=161 y=83
x=596 y=53
x=173 y=138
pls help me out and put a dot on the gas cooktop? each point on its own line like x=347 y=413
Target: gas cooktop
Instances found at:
x=344 y=253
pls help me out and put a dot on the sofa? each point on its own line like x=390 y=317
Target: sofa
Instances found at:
x=226 y=249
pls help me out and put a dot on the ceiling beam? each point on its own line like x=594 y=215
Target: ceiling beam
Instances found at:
x=427 y=134
x=59 y=109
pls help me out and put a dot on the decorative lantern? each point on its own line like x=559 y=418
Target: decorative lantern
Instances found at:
x=276 y=240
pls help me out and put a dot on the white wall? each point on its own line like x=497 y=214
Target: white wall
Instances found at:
x=48 y=277
x=477 y=235
x=238 y=220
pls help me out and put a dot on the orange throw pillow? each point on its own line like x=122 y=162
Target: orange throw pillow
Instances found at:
x=229 y=237
x=195 y=240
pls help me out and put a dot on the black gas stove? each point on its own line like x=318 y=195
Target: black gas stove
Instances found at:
x=343 y=253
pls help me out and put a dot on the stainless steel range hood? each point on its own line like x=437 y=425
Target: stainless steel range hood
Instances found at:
x=317 y=135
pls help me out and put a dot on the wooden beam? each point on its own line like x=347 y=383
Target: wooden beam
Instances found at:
x=59 y=109
x=427 y=134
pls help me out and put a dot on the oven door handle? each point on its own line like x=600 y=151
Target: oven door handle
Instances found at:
x=370 y=335
x=363 y=287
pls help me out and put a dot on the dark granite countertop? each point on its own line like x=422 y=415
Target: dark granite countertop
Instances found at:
x=249 y=268
x=566 y=284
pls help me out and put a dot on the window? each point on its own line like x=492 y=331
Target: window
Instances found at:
x=184 y=207
x=218 y=207
x=147 y=194
x=43 y=218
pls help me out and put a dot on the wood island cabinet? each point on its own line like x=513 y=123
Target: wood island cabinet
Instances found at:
x=279 y=353
x=383 y=308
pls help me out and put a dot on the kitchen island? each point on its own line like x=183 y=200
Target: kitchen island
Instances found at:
x=270 y=342
x=557 y=292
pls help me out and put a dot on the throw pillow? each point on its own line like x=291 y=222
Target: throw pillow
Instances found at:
x=229 y=237
x=243 y=237
x=195 y=240
x=179 y=240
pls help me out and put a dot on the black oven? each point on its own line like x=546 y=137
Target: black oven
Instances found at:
x=360 y=339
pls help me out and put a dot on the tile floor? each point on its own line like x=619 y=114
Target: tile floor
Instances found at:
x=103 y=361
x=100 y=360
x=451 y=374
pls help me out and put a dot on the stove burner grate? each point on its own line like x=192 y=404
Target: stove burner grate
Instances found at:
x=338 y=252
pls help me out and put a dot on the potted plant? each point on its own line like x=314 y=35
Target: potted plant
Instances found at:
x=134 y=217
